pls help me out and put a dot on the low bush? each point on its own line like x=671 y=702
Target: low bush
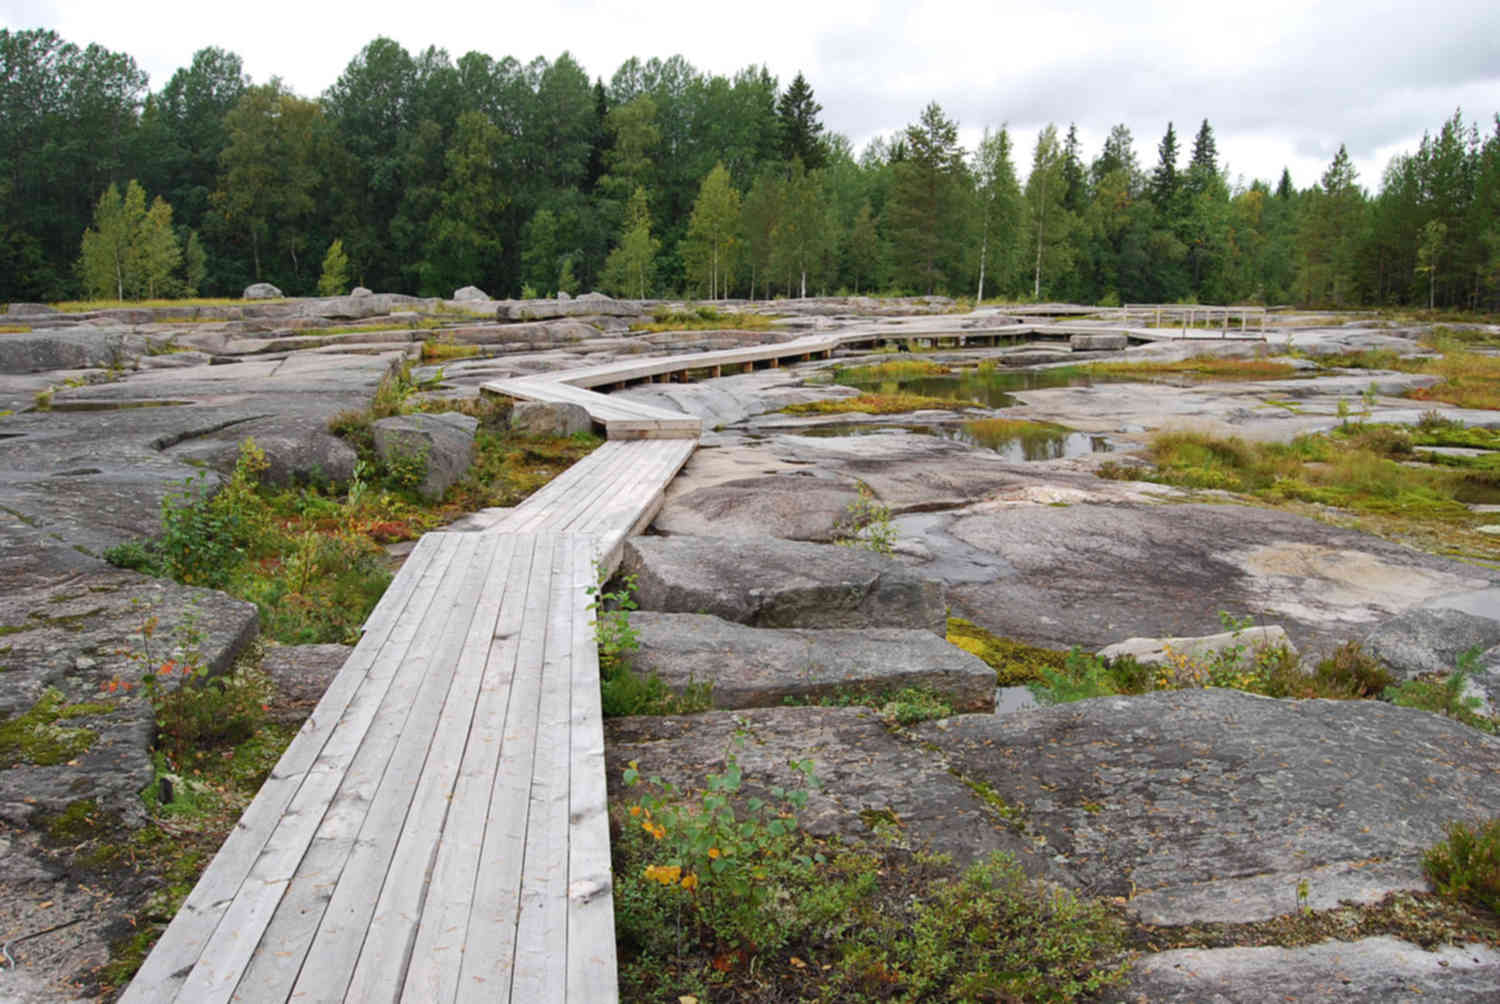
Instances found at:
x=1466 y=866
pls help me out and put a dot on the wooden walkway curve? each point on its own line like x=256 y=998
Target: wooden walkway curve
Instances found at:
x=438 y=830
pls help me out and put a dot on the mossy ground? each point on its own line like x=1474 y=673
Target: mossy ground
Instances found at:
x=1014 y=662
x=37 y=735
x=878 y=404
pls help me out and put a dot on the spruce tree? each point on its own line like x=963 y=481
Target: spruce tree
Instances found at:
x=801 y=132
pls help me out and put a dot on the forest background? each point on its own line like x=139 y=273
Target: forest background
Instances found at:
x=416 y=173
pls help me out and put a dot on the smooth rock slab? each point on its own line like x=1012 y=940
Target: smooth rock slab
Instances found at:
x=1092 y=574
x=761 y=667
x=1211 y=805
x=1371 y=969
x=1430 y=640
x=793 y=507
x=782 y=583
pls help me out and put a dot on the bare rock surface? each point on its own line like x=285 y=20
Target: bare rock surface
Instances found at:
x=1371 y=969
x=1093 y=574
x=762 y=667
x=779 y=583
x=1212 y=805
x=301 y=674
x=796 y=506
x=1430 y=640
x=1157 y=651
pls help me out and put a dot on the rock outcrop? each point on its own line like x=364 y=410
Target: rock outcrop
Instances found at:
x=437 y=448
x=781 y=583
x=764 y=667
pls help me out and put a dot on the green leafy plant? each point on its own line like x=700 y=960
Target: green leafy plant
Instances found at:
x=1466 y=866
x=723 y=867
x=866 y=524
x=1445 y=696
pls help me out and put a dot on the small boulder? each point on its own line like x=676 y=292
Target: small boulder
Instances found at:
x=360 y=291
x=262 y=291
x=762 y=667
x=543 y=419
x=1102 y=342
x=443 y=446
x=30 y=310
x=301 y=674
x=563 y=296
x=1204 y=648
x=766 y=582
x=469 y=294
x=1429 y=640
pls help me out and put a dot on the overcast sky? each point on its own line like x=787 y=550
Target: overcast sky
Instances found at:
x=1282 y=82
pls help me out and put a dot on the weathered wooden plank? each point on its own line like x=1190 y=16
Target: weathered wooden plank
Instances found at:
x=182 y=943
x=380 y=788
x=224 y=958
x=487 y=965
x=273 y=969
x=381 y=969
x=594 y=480
x=542 y=920
x=591 y=927
x=441 y=939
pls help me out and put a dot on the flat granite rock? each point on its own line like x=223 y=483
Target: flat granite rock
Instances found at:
x=762 y=667
x=765 y=582
x=789 y=506
x=1212 y=805
x=1371 y=969
x=1093 y=574
x=1430 y=640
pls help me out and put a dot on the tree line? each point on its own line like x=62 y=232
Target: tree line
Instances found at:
x=430 y=174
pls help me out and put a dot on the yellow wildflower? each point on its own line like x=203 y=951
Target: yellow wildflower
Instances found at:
x=665 y=874
x=690 y=881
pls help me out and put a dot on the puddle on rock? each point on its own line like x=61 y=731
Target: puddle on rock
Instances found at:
x=1016 y=441
x=114 y=405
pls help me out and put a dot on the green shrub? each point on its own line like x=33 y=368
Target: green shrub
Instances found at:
x=1445 y=696
x=866 y=524
x=1466 y=866
x=210 y=712
x=1351 y=672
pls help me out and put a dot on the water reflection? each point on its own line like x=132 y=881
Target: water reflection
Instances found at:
x=1014 y=440
x=992 y=386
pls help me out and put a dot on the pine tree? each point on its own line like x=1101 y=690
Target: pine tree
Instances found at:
x=1165 y=185
x=923 y=213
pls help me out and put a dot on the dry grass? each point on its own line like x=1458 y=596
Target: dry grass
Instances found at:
x=1203 y=367
x=878 y=404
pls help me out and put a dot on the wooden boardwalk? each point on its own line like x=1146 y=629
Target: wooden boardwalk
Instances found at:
x=438 y=830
